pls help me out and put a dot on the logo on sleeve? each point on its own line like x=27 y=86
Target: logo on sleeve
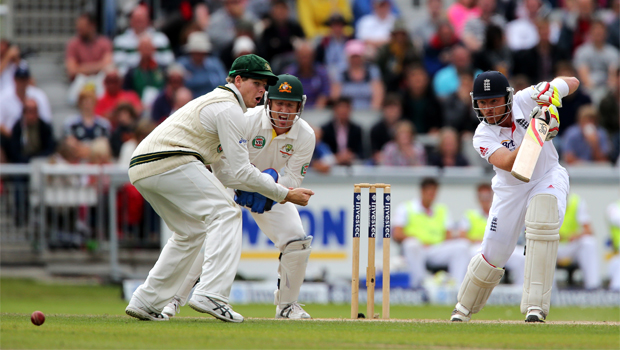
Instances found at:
x=304 y=169
x=243 y=141
x=510 y=144
x=287 y=150
x=483 y=151
x=258 y=142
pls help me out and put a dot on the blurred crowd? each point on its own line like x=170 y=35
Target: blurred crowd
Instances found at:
x=351 y=56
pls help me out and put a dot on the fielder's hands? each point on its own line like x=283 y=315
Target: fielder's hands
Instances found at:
x=299 y=196
x=546 y=94
x=550 y=116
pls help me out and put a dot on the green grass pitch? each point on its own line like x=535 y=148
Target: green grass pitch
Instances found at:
x=92 y=317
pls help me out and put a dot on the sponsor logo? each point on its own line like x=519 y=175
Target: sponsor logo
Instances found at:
x=304 y=169
x=483 y=151
x=258 y=142
x=487 y=85
x=357 y=215
x=287 y=150
x=510 y=144
x=550 y=186
x=386 y=216
x=219 y=148
x=542 y=129
x=285 y=87
x=243 y=141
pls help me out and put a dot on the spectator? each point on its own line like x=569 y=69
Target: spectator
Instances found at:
x=70 y=151
x=437 y=51
x=585 y=141
x=613 y=26
x=362 y=8
x=30 y=136
x=404 y=149
x=322 y=158
x=545 y=53
x=181 y=17
x=423 y=228
x=313 y=75
x=361 y=81
x=374 y=29
x=522 y=34
x=163 y=103
x=577 y=242
x=242 y=44
x=12 y=101
x=276 y=42
x=142 y=130
x=394 y=56
x=223 y=22
x=495 y=55
x=597 y=62
x=181 y=97
x=126 y=53
x=204 y=71
x=460 y=12
x=446 y=81
x=459 y=114
x=575 y=26
x=429 y=25
x=610 y=117
x=448 y=152
x=148 y=77
x=114 y=94
x=100 y=154
x=473 y=225
x=613 y=220
x=420 y=105
x=330 y=50
x=383 y=131
x=9 y=59
x=474 y=32
x=87 y=126
x=343 y=137
x=87 y=54
x=314 y=16
x=125 y=118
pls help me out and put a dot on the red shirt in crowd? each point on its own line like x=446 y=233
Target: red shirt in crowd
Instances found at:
x=88 y=51
x=106 y=104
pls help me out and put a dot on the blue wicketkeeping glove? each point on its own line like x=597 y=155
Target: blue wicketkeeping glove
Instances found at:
x=244 y=198
x=261 y=203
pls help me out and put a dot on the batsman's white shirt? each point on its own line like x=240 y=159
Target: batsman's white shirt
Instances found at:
x=512 y=196
x=290 y=155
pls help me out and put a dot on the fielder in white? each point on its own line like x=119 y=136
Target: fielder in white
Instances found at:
x=613 y=219
x=169 y=169
x=541 y=203
x=278 y=139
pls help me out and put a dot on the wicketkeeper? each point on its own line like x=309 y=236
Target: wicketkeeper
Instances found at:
x=541 y=203
x=278 y=139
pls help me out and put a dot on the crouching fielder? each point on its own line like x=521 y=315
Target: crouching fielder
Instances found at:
x=277 y=139
x=541 y=203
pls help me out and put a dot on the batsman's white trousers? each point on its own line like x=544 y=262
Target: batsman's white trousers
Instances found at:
x=281 y=224
x=515 y=264
x=585 y=251
x=507 y=214
x=192 y=202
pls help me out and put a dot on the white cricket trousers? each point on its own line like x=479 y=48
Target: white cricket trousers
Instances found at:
x=192 y=202
x=281 y=224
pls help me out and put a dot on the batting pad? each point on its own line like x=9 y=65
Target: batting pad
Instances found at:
x=292 y=270
x=542 y=234
x=476 y=288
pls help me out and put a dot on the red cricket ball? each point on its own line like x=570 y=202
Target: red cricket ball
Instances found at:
x=37 y=318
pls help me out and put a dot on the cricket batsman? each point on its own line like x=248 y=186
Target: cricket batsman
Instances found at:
x=540 y=203
x=277 y=139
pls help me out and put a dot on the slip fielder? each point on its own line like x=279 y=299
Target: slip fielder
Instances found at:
x=169 y=169
x=541 y=203
x=277 y=139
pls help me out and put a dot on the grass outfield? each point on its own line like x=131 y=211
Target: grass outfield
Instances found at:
x=81 y=316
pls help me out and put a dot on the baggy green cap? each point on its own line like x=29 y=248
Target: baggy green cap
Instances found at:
x=253 y=66
x=287 y=88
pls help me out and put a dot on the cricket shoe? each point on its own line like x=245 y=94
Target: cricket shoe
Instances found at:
x=138 y=310
x=173 y=307
x=459 y=316
x=292 y=311
x=216 y=308
x=535 y=315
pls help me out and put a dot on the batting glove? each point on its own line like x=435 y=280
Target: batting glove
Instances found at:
x=546 y=94
x=551 y=117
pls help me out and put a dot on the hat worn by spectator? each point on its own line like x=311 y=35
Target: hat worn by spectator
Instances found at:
x=198 y=42
x=243 y=44
x=354 y=47
x=399 y=26
x=336 y=18
x=22 y=71
x=254 y=67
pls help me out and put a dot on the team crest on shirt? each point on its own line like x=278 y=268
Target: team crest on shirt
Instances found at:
x=510 y=144
x=219 y=148
x=285 y=87
x=287 y=150
x=258 y=142
x=304 y=169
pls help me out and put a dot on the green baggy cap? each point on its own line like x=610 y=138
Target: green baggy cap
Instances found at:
x=253 y=66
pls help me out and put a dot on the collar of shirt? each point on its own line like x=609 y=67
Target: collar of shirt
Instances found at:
x=266 y=125
x=239 y=97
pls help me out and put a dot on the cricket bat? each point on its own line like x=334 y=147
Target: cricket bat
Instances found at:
x=531 y=146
